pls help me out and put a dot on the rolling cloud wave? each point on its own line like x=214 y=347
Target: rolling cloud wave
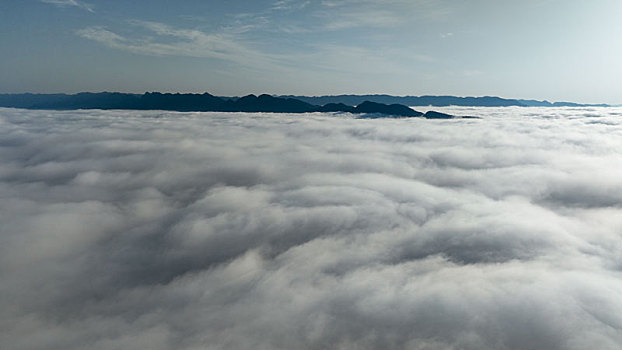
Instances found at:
x=158 y=230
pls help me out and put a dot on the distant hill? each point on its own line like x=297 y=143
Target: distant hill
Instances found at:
x=252 y=103
x=393 y=109
x=267 y=103
x=194 y=102
x=261 y=103
x=436 y=101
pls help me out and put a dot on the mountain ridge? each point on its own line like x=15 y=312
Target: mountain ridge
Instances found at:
x=368 y=105
x=437 y=101
x=194 y=102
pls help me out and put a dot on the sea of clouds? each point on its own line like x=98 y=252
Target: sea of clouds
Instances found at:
x=163 y=230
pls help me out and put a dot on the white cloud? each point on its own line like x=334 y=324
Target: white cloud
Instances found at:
x=126 y=229
x=74 y=3
x=288 y=5
x=345 y=14
x=340 y=60
x=165 y=40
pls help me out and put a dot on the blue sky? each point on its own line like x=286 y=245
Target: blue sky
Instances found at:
x=556 y=50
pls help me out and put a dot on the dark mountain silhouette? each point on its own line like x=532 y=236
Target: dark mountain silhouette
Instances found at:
x=267 y=103
x=29 y=100
x=384 y=104
x=535 y=103
x=179 y=102
x=393 y=109
x=336 y=107
x=193 y=102
x=437 y=101
x=437 y=115
x=113 y=100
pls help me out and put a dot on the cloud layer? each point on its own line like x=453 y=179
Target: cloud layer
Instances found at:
x=255 y=231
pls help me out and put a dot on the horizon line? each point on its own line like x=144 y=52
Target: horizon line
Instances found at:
x=595 y=104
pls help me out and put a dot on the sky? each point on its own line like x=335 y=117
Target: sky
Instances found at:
x=559 y=50
x=163 y=230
